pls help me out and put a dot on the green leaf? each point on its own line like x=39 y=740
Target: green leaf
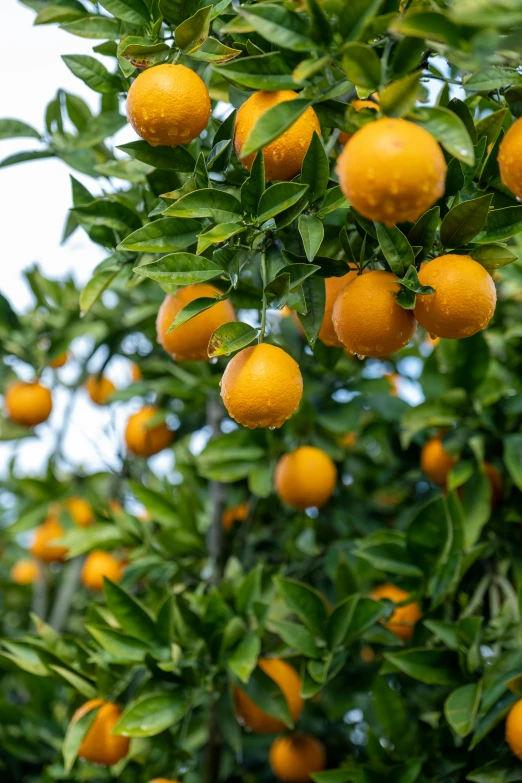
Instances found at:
x=449 y=130
x=266 y=694
x=461 y=707
x=492 y=79
x=218 y=234
x=386 y=551
x=132 y=618
x=311 y=230
x=278 y=25
x=263 y=72
x=493 y=256
x=464 y=221
x=392 y=715
x=140 y=53
x=354 y=16
x=112 y=214
x=278 y=198
x=52 y=14
x=160 y=236
x=254 y=186
x=93 y=73
x=339 y=621
x=501 y=224
x=11 y=129
x=367 y=612
x=513 y=457
x=218 y=205
x=180 y=269
x=193 y=32
x=123 y=649
x=94 y=289
x=190 y=310
x=314 y=294
x=362 y=66
x=305 y=602
x=429 y=536
x=299 y=638
x=231 y=337
x=423 y=233
x=399 y=97
x=334 y=776
x=165 y=158
x=79 y=684
x=133 y=11
x=243 y=659
x=74 y=737
x=432 y=25
x=316 y=169
x=97 y=27
x=151 y=715
x=395 y=247
x=24 y=157
x=273 y=123
x=432 y=667
x=412 y=283
x=213 y=51
x=97 y=129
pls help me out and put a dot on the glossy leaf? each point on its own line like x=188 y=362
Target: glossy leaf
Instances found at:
x=180 y=269
x=151 y=715
x=464 y=221
x=231 y=337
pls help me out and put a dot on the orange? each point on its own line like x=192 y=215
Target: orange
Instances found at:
x=25 y=572
x=168 y=105
x=306 y=477
x=189 y=342
x=136 y=374
x=236 y=514
x=436 y=462
x=368 y=320
x=28 y=404
x=348 y=440
x=464 y=299
x=392 y=171
x=162 y=780
x=496 y=481
x=43 y=535
x=514 y=729
x=99 y=389
x=262 y=386
x=288 y=680
x=144 y=440
x=59 y=360
x=97 y=565
x=393 y=379
x=402 y=622
x=294 y=758
x=81 y=511
x=334 y=286
x=284 y=156
x=510 y=159
x=99 y=745
x=357 y=105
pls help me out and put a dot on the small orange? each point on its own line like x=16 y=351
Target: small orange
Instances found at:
x=136 y=374
x=262 y=386
x=436 y=462
x=59 y=360
x=28 y=404
x=514 y=729
x=288 y=680
x=42 y=547
x=402 y=622
x=306 y=477
x=97 y=565
x=236 y=514
x=99 y=389
x=294 y=758
x=510 y=159
x=284 y=156
x=168 y=105
x=144 y=440
x=367 y=654
x=368 y=320
x=99 y=745
x=348 y=440
x=80 y=511
x=464 y=299
x=334 y=286
x=25 y=572
x=357 y=105
x=189 y=342
x=392 y=171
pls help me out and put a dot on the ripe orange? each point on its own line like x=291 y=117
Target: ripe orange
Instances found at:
x=59 y=360
x=97 y=565
x=144 y=440
x=99 y=389
x=162 y=780
x=189 y=342
x=402 y=622
x=436 y=462
x=334 y=286
x=284 y=156
x=262 y=386
x=357 y=105
x=288 y=680
x=348 y=440
x=42 y=547
x=464 y=299
x=81 y=511
x=514 y=729
x=28 y=404
x=99 y=745
x=306 y=477
x=294 y=758
x=236 y=514
x=368 y=320
x=25 y=572
x=392 y=171
x=168 y=105
x=136 y=374
x=510 y=159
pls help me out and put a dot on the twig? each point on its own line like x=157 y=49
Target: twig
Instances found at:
x=66 y=591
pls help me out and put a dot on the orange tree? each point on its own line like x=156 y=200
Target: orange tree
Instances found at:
x=326 y=586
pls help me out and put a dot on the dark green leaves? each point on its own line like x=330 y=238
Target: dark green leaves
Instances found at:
x=311 y=230
x=316 y=169
x=432 y=667
x=262 y=72
x=164 y=235
x=362 y=66
x=305 y=602
x=266 y=694
x=180 y=269
x=464 y=221
x=133 y=11
x=192 y=33
x=218 y=205
x=231 y=337
x=10 y=129
x=175 y=158
x=449 y=130
x=74 y=737
x=253 y=187
x=461 y=707
x=501 y=224
x=151 y=715
x=278 y=198
x=395 y=247
x=279 y=26
x=513 y=457
x=93 y=73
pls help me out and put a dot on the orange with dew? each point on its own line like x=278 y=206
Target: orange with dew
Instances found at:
x=333 y=286
x=357 y=104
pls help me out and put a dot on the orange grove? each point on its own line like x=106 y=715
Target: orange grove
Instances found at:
x=288 y=680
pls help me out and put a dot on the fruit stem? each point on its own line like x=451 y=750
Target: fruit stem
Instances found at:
x=263 y=311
